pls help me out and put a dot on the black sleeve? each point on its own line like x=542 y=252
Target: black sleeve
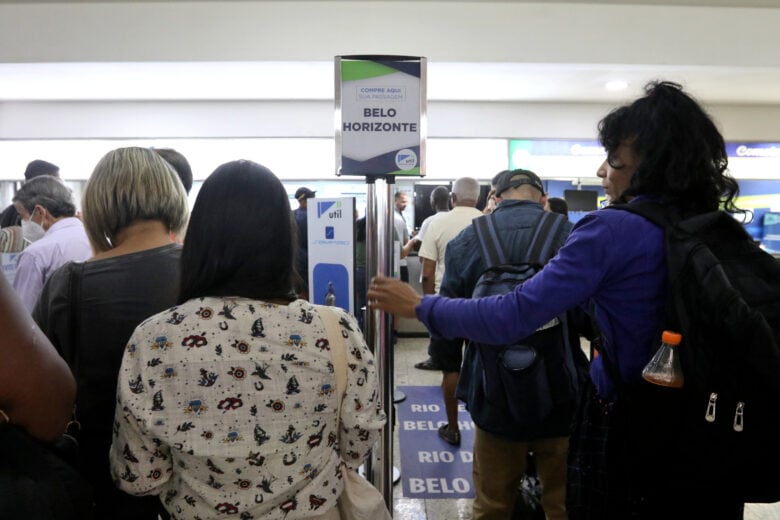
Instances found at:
x=52 y=312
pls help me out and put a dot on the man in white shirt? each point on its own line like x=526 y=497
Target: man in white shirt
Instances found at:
x=56 y=236
x=448 y=355
x=440 y=204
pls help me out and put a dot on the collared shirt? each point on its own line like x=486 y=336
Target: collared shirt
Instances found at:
x=614 y=258
x=427 y=222
x=65 y=241
x=440 y=231
x=424 y=229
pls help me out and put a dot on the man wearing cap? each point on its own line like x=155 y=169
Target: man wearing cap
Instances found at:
x=302 y=195
x=500 y=455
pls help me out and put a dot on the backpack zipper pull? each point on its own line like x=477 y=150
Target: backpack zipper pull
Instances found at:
x=739 y=417
x=710 y=415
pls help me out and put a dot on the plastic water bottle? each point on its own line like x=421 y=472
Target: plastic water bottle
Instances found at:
x=330 y=296
x=665 y=369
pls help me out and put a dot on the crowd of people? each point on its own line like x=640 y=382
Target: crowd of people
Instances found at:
x=203 y=383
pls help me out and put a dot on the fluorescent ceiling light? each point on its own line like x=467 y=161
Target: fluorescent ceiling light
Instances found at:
x=314 y=80
x=616 y=85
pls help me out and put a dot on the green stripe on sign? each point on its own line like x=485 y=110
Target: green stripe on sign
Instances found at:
x=413 y=171
x=354 y=70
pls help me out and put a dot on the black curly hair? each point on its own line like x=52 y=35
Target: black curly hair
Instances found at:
x=682 y=155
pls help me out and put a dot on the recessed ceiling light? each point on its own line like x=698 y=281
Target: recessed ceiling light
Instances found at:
x=616 y=85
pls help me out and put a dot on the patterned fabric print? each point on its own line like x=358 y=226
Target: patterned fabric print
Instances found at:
x=227 y=407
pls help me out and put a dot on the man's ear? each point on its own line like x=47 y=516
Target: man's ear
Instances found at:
x=46 y=218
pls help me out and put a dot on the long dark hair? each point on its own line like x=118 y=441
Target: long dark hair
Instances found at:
x=240 y=238
x=682 y=155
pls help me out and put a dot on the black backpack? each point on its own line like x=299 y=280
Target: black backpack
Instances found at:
x=514 y=390
x=724 y=298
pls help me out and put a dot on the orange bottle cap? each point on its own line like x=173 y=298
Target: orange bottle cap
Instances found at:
x=672 y=338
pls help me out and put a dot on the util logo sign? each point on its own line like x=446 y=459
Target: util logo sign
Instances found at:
x=331 y=208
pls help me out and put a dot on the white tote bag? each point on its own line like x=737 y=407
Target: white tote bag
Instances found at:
x=360 y=500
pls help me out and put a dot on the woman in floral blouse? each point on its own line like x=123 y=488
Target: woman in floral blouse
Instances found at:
x=226 y=404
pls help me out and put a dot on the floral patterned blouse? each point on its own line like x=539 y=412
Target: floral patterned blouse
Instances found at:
x=227 y=407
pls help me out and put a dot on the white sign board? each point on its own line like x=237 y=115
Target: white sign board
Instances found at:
x=380 y=115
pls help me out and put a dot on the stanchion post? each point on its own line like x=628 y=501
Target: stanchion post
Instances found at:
x=379 y=261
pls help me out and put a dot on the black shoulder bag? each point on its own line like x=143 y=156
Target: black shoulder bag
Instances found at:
x=39 y=481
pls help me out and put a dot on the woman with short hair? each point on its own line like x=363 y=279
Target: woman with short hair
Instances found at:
x=131 y=204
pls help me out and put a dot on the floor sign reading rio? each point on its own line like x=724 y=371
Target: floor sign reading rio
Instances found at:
x=431 y=468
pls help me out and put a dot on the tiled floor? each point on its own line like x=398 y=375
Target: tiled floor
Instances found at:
x=409 y=351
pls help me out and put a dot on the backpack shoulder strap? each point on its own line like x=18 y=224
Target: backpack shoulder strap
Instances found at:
x=653 y=211
x=338 y=350
x=539 y=250
x=489 y=243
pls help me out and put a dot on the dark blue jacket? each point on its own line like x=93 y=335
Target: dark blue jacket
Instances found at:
x=515 y=221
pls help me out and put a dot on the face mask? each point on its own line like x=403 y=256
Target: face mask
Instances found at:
x=32 y=231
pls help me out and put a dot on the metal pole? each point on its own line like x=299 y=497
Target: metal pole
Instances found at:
x=379 y=261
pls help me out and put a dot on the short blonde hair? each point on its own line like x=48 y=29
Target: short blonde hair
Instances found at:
x=130 y=184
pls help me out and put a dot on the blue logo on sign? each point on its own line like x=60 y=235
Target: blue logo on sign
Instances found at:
x=406 y=159
x=322 y=207
x=330 y=233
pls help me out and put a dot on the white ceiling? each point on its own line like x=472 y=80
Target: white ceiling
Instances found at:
x=495 y=78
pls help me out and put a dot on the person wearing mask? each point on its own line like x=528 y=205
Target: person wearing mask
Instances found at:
x=662 y=147
x=10 y=217
x=226 y=402
x=132 y=203
x=55 y=235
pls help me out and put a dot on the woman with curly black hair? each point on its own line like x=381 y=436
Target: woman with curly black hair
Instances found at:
x=662 y=147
